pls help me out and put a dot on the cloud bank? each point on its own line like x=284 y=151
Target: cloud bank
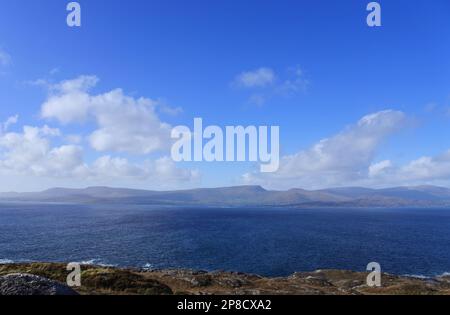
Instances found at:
x=349 y=158
x=122 y=126
x=264 y=83
x=5 y=58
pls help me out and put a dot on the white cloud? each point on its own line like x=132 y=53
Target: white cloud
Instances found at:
x=294 y=84
x=166 y=168
x=163 y=170
x=8 y=123
x=128 y=125
x=109 y=167
x=261 y=77
x=270 y=84
x=342 y=159
x=5 y=58
x=69 y=101
x=169 y=110
x=63 y=161
x=81 y=84
x=124 y=124
x=31 y=154
x=428 y=168
x=378 y=168
x=121 y=124
x=424 y=170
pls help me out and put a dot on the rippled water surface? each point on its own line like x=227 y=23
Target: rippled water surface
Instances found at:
x=264 y=241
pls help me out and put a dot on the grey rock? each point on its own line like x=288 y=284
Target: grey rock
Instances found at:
x=26 y=284
x=231 y=282
x=198 y=281
x=318 y=281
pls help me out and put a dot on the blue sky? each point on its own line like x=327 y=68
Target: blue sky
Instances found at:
x=327 y=69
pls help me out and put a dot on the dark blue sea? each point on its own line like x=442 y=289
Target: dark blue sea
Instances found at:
x=269 y=242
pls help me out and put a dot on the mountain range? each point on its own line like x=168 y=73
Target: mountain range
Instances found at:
x=250 y=196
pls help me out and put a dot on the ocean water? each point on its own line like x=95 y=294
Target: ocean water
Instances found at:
x=269 y=242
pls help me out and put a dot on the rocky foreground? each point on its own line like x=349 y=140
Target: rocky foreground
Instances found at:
x=49 y=279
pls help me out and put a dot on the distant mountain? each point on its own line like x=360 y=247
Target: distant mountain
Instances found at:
x=420 y=196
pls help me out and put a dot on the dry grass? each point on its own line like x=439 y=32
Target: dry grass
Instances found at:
x=98 y=280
